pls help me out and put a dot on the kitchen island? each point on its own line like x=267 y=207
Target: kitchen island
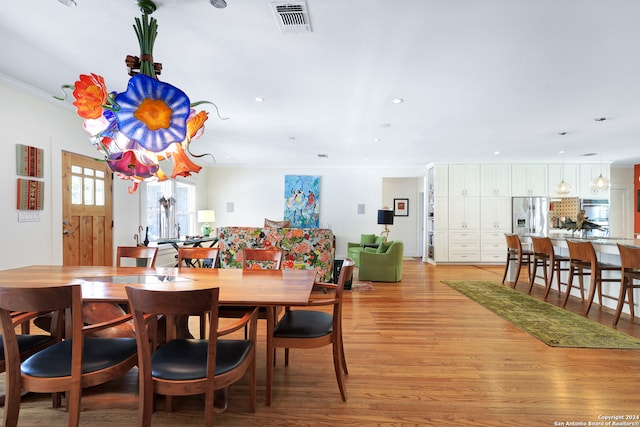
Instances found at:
x=607 y=251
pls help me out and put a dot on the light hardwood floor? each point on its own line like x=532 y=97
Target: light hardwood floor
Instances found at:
x=419 y=353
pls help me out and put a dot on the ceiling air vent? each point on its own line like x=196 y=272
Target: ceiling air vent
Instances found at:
x=292 y=16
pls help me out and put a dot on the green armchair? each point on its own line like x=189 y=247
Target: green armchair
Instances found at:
x=383 y=264
x=354 y=249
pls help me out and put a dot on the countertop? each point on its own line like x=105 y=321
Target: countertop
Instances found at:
x=608 y=241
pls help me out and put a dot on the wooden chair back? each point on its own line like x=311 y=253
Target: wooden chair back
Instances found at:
x=513 y=242
x=174 y=378
x=64 y=366
x=629 y=257
x=137 y=252
x=583 y=253
x=303 y=327
x=197 y=257
x=542 y=246
x=261 y=259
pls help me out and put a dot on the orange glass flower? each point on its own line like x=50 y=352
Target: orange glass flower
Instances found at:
x=91 y=94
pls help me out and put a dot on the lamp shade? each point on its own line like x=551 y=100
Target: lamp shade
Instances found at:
x=385 y=217
x=207 y=216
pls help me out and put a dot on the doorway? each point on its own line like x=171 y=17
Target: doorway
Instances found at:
x=87 y=211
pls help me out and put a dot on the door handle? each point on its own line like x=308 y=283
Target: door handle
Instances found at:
x=66 y=232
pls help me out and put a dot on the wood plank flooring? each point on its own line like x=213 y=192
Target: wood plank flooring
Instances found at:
x=419 y=353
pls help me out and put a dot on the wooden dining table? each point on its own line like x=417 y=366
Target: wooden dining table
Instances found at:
x=107 y=283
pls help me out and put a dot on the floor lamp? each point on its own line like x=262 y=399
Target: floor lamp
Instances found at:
x=385 y=217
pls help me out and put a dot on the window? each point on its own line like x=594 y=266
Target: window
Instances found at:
x=87 y=186
x=170 y=210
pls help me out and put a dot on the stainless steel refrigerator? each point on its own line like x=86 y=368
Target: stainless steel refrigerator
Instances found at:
x=531 y=215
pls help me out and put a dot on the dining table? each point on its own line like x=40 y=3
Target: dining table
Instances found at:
x=107 y=283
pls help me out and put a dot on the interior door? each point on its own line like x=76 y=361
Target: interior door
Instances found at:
x=87 y=211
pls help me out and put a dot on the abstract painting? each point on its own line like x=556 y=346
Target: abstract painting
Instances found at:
x=302 y=201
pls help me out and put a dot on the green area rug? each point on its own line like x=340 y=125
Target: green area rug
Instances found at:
x=552 y=325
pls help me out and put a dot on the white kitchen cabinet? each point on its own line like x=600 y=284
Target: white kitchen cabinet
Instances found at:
x=464 y=180
x=493 y=247
x=464 y=246
x=441 y=246
x=571 y=176
x=495 y=180
x=495 y=213
x=529 y=180
x=464 y=213
x=588 y=173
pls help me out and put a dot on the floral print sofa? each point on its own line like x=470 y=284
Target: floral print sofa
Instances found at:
x=303 y=248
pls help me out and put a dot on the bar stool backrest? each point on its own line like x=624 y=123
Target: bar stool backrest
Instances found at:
x=583 y=253
x=513 y=243
x=629 y=257
x=542 y=245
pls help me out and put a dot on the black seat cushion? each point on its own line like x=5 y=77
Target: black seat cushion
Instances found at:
x=26 y=343
x=304 y=324
x=186 y=359
x=99 y=353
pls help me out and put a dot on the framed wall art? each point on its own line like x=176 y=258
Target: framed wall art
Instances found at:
x=400 y=207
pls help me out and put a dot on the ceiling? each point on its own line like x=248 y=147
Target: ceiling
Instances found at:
x=476 y=76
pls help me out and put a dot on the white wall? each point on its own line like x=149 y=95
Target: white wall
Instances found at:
x=258 y=193
x=37 y=120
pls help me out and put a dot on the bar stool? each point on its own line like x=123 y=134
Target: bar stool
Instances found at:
x=544 y=256
x=517 y=254
x=583 y=257
x=630 y=265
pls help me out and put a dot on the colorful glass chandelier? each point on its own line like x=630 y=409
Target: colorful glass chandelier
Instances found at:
x=149 y=122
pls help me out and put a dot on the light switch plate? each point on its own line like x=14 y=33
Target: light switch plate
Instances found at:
x=28 y=216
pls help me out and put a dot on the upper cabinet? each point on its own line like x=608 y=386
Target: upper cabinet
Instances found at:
x=570 y=173
x=495 y=180
x=529 y=180
x=589 y=172
x=464 y=180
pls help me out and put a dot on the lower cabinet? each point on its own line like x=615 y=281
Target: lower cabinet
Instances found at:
x=464 y=246
x=493 y=247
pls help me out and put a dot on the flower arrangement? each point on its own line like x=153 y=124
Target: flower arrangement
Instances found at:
x=149 y=122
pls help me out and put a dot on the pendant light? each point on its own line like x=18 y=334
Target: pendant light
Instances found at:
x=601 y=183
x=563 y=187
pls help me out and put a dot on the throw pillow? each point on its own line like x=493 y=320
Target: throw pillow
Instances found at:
x=383 y=247
x=367 y=238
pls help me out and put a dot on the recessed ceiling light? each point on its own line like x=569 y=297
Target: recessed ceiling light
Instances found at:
x=68 y=2
x=259 y=99
x=600 y=119
x=397 y=100
x=385 y=125
x=497 y=153
x=561 y=152
x=323 y=156
x=376 y=139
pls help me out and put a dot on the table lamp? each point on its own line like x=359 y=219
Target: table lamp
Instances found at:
x=206 y=216
x=385 y=217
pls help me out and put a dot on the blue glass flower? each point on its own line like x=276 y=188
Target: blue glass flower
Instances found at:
x=152 y=113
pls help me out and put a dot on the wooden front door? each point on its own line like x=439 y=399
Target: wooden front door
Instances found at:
x=87 y=211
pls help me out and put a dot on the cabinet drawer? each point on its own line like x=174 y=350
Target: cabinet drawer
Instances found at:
x=464 y=235
x=493 y=257
x=494 y=247
x=463 y=257
x=492 y=236
x=468 y=246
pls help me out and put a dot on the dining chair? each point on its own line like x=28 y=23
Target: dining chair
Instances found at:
x=182 y=367
x=584 y=261
x=302 y=327
x=630 y=264
x=516 y=254
x=255 y=259
x=28 y=344
x=261 y=259
x=198 y=257
x=74 y=363
x=139 y=253
x=545 y=257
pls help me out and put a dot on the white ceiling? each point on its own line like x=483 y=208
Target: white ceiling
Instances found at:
x=476 y=76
